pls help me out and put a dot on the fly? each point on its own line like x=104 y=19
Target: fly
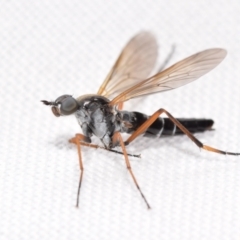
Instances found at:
x=102 y=114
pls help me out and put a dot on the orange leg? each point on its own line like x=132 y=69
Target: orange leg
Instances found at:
x=118 y=136
x=146 y=124
x=79 y=140
x=82 y=137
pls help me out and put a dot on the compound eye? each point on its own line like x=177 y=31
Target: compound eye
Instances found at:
x=61 y=98
x=68 y=106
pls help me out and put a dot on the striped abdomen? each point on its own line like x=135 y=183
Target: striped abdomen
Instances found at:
x=164 y=126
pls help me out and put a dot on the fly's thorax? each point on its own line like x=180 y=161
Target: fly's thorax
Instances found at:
x=96 y=116
x=92 y=107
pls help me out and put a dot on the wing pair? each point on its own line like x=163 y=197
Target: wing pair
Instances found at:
x=129 y=77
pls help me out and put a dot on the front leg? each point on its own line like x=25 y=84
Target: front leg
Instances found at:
x=81 y=139
x=77 y=139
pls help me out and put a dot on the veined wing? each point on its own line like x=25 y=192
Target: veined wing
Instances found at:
x=134 y=64
x=181 y=73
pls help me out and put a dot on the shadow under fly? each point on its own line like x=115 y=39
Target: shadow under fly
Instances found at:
x=102 y=114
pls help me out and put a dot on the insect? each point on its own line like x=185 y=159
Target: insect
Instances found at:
x=102 y=114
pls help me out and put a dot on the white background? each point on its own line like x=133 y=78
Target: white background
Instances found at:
x=50 y=48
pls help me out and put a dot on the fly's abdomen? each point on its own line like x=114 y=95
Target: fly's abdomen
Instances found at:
x=164 y=126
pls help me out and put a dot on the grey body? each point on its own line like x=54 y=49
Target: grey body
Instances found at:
x=96 y=116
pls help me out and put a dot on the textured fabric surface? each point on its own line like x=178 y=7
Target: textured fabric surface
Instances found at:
x=50 y=48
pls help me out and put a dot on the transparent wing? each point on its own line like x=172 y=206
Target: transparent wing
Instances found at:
x=179 y=74
x=134 y=64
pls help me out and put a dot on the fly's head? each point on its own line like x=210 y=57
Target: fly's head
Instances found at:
x=63 y=105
